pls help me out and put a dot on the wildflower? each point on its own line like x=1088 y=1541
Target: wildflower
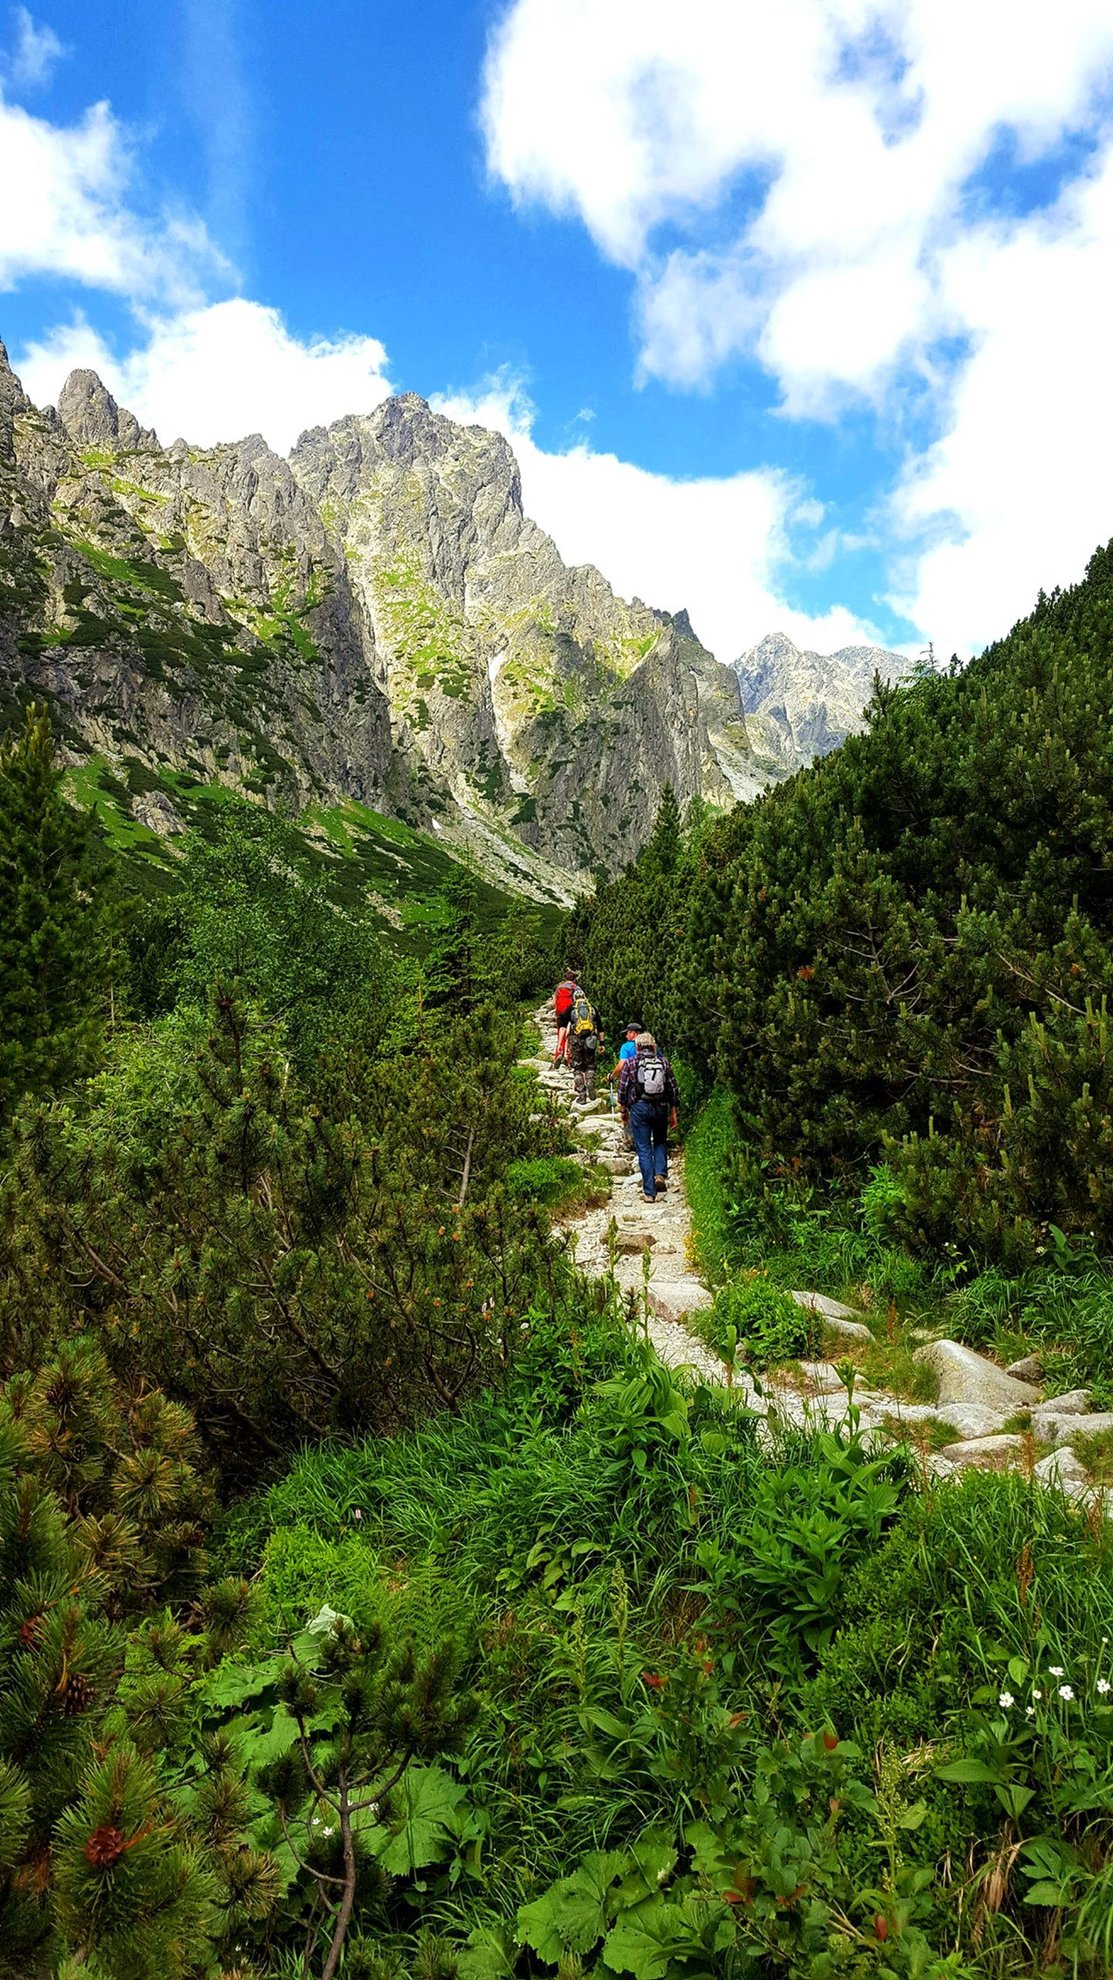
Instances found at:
x=1103 y=1686
x=357 y=1512
x=1029 y=1711
x=652 y=1679
x=1007 y=1700
x=1057 y=1670
x=1037 y=1694
x=1066 y=1692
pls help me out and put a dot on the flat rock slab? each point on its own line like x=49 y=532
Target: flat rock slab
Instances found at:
x=821 y=1378
x=671 y=1299
x=969 y=1419
x=831 y=1309
x=1056 y=1428
x=837 y=1318
x=966 y=1377
x=986 y=1453
x=1073 y=1402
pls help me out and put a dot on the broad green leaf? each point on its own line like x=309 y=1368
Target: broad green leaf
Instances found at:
x=971 y=1773
x=430 y=1800
x=575 y=1912
x=488 y=1955
x=231 y=1683
x=261 y=1744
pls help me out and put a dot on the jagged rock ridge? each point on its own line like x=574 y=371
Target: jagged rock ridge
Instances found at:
x=800 y=705
x=375 y=618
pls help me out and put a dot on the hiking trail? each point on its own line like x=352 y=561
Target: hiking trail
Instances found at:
x=651 y=1251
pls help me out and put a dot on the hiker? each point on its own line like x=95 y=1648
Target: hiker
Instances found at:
x=562 y=1006
x=627 y=1050
x=649 y=1098
x=584 y=1040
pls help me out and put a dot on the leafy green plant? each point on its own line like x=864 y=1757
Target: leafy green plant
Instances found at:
x=762 y=1323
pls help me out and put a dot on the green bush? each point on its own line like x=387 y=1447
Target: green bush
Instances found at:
x=763 y=1323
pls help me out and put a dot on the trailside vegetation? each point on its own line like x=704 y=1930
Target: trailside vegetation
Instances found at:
x=374 y=1603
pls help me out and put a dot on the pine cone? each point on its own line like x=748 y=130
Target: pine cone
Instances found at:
x=105 y=1847
x=31 y=1632
x=77 y=1696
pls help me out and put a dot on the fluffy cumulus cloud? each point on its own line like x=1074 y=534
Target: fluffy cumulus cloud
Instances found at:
x=67 y=213
x=218 y=372
x=713 y=544
x=843 y=191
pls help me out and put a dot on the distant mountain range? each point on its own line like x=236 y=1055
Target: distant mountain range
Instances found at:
x=800 y=705
x=374 y=622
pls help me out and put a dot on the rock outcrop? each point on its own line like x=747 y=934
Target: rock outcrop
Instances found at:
x=375 y=618
x=800 y=705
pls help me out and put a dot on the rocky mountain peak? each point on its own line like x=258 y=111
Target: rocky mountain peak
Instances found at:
x=800 y=704
x=92 y=418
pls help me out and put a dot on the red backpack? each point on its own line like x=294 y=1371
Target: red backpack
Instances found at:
x=566 y=992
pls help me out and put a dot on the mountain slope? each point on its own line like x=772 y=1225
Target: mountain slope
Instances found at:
x=800 y=705
x=375 y=620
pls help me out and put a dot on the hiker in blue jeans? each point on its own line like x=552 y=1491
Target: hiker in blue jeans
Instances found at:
x=649 y=1098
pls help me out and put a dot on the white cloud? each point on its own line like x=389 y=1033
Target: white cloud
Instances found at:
x=65 y=213
x=1018 y=486
x=800 y=184
x=844 y=130
x=36 y=53
x=219 y=372
x=711 y=544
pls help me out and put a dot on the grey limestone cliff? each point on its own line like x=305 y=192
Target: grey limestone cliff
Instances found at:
x=375 y=618
x=800 y=705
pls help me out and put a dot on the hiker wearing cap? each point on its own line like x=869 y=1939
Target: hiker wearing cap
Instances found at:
x=649 y=1098
x=627 y=1050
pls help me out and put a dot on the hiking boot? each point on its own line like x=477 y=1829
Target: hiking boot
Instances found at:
x=662 y=1183
x=648 y=1199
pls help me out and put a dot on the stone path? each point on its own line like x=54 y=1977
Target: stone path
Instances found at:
x=649 y=1249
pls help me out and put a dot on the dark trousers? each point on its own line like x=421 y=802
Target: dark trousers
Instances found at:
x=649 y=1129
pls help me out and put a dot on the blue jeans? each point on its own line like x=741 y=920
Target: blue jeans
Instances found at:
x=649 y=1130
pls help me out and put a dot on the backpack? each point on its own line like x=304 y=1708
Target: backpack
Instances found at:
x=650 y=1077
x=566 y=992
x=583 y=1020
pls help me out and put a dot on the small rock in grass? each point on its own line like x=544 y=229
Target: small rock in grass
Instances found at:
x=1060 y=1466
x=1028 y=1369
x=966 y=1377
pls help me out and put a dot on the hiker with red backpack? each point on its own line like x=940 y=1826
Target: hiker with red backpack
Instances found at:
x=562 y=1005
x=650 y=1099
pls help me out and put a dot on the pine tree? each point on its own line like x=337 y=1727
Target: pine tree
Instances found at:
x=53 y=966
x=453 y=970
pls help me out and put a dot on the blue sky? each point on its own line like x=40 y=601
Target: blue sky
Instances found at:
x=797 y=317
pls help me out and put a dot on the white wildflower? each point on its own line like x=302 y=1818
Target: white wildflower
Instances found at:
x=1029 y=1711
x=1057 y=1670
x=1037 y=1694
x=1103 y=1686
x=1006 y=1699
x=1066 y=1692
